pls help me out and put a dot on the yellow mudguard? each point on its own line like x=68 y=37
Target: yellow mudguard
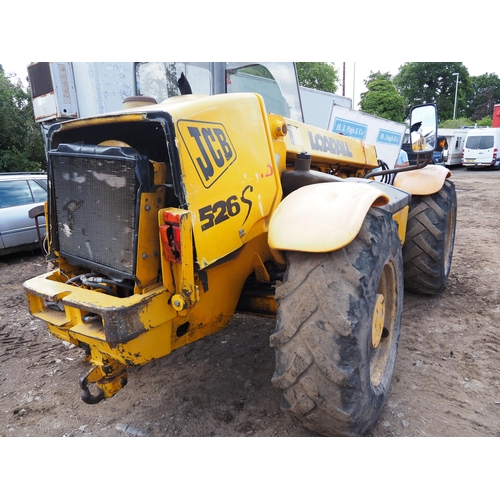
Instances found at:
x=427 y=180
x=321 y=217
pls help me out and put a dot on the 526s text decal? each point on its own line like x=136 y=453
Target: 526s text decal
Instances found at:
x=223 y=210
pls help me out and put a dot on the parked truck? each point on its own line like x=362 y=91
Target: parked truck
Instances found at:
x=496 y=116
x=164 y=219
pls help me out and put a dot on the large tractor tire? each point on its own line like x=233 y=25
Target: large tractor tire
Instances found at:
x=337 y=330
x=429 y=242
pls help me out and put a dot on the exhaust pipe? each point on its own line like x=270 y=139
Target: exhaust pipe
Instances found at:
x=302 y=175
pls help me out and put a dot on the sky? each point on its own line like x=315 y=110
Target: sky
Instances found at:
x=270 y=33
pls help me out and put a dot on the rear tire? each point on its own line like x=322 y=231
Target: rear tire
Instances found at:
x=338 y=328
x=430 y=238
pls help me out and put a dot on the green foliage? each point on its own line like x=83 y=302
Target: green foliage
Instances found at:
x=487 y=121
x=434 y=82
x=21 y=143
x=486 y=92
x=457 y=123
x=377 y=76
x=318 y=75
x=382 y=98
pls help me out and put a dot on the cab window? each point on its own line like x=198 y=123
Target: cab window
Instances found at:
x=159 y=79
x=281 y=95
x=258 y=79
x=479 y=142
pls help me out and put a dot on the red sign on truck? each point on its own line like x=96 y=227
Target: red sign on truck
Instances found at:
x=496 y=116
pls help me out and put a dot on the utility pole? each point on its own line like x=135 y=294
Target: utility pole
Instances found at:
x=456 y=95
x=353 y=86
x=343 y=79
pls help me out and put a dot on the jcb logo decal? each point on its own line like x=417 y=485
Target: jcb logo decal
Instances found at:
x=209 y=147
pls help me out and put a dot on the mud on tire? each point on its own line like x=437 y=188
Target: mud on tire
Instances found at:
x=333 y=380
x=430 y=238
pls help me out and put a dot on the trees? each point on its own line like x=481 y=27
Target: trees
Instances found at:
x=457 y=123
x=318 y=75
x=485 y=93
x=21 y=143
x=434 y=82
x=382 y=98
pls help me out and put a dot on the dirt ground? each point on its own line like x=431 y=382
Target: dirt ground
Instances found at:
x=446 y=382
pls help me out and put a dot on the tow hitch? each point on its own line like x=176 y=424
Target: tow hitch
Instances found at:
x=108 y=378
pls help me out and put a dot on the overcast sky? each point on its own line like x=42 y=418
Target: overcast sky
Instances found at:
x=216 y=31
x=393 y=33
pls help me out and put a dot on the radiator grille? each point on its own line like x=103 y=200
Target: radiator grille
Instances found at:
x=40 y=79
x=95 y=207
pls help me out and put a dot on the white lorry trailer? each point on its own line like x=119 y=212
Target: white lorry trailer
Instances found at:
x=335 y=113
x=317 y=105
x=67 y=90
x=386 y=135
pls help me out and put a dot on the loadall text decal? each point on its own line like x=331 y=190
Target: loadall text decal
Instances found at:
x=209 y=147
x=222 y=210
x=330 y=145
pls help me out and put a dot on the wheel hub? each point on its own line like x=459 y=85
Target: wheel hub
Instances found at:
x=378 y=320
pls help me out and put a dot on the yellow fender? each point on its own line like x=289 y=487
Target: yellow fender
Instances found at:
x=321 y=217
x=427 y=180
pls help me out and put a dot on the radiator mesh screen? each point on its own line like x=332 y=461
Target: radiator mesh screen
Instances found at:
x=95 y=201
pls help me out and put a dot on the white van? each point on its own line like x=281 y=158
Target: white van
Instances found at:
x=481 y=149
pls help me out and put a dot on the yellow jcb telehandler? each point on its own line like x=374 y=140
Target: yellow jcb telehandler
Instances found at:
x=164 y=219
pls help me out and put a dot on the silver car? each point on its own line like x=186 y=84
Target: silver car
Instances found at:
x=20 y=193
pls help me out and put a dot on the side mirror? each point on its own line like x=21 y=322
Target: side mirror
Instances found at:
x=423 y=128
